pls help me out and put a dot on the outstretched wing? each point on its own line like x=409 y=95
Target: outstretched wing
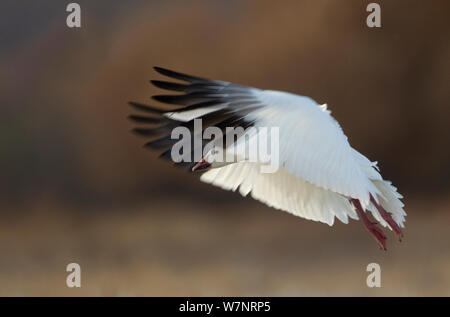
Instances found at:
x=282 y=190
x=312 y=145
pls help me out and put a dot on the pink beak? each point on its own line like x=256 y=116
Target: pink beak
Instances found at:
x=201 y=166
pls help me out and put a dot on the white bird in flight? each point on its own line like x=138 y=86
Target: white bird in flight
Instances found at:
x=320 y=176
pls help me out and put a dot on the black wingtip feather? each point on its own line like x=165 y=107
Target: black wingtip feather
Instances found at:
x=141 y=119
x=161 y=143
x=176 y=75
x=145 y=132
x=172 y=99
x=169 y=86
x=145 y=108
x=187 y=99
x=199 y=93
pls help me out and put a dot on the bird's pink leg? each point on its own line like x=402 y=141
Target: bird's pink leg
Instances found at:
x=370 y=226
x=387 y=216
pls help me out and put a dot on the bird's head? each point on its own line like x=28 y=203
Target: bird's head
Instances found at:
x=214 y=158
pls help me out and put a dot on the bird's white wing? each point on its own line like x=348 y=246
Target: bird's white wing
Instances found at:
x=282 y=190
x=312 y=145
x=315 y=156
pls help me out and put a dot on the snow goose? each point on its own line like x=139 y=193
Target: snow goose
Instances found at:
x=320 y=176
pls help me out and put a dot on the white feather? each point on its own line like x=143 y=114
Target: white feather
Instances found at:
x=282 y=190
x=188 y=115
x=319 y=171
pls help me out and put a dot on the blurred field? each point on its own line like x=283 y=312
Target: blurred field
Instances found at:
x=76 y=186
x=168 y=249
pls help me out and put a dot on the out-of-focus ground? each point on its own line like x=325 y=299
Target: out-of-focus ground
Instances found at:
x=196 y=250
x=76 y=186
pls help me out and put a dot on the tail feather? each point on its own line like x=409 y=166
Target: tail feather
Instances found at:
x=389 y=200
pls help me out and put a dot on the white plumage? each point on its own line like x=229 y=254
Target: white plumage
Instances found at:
x=320 y=174
x=319 y=169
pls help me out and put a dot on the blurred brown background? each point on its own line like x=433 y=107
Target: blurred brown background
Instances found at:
x=76 y=186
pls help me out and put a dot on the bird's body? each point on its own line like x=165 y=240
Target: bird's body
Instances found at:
x=320 y=176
